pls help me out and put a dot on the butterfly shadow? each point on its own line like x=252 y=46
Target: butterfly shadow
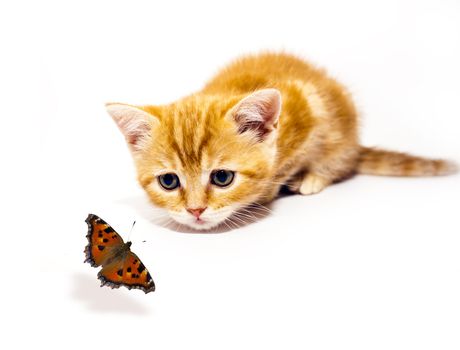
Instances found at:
x=244 y=217
x=104 y=300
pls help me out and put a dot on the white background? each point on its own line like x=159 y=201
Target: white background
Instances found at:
x=372 y=263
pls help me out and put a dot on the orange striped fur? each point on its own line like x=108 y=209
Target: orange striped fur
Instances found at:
x=374 y=161
x=272 y=119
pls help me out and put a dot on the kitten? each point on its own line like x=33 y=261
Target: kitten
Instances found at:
x=261 y=122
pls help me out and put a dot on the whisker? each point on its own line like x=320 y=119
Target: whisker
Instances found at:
x=225 y=223
x=246 y=216
x=261 y=206
x=239 y=219
x=234 y=223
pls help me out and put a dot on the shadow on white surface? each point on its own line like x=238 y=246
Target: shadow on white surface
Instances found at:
x=104 y=300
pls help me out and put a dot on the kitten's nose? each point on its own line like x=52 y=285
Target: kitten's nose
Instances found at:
x=196 y=212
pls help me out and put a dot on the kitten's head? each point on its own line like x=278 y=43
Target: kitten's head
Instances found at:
x=203 y=157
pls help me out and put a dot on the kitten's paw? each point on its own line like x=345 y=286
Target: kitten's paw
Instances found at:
x=312 y=184
x=294 y=185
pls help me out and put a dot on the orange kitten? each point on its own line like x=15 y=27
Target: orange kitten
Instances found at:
x=263 y=121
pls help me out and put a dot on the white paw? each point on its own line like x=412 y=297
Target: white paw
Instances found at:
x=312 y=184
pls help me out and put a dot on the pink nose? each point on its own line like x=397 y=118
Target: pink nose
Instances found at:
x=196 y=212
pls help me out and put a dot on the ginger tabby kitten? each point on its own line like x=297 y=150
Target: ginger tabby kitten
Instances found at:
x=261 y=122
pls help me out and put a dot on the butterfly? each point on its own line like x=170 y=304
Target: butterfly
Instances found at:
x=120 y=266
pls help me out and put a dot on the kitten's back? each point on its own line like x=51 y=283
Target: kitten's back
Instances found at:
x=267 y=70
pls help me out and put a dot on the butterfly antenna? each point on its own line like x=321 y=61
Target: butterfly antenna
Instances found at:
x=130 y=231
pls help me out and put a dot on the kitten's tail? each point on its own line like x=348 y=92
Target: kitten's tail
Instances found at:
x=374 y=161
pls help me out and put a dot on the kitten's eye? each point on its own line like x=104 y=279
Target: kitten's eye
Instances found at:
x=222 y=178
x=169 y=181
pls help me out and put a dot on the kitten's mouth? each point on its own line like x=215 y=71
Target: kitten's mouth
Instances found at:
x=202 y=224
x=206 y=222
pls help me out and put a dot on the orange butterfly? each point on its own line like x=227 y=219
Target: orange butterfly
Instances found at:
x=120 y=266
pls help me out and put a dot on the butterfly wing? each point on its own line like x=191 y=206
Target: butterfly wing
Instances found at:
x=128 y=271
x=102 y=239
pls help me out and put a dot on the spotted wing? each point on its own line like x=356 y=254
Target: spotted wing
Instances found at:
x=129 y=272
x=102 y=238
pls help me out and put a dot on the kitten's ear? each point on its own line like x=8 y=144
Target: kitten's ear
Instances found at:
x=134 y=122
x=258 y=113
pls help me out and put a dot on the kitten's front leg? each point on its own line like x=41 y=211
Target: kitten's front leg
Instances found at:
x=307 y=182
x=313 y=183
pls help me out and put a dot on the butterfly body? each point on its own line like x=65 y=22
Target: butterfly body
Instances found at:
x=120 y=266
x=117 y=253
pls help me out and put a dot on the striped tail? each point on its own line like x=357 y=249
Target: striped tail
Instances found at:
x=373 y=161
